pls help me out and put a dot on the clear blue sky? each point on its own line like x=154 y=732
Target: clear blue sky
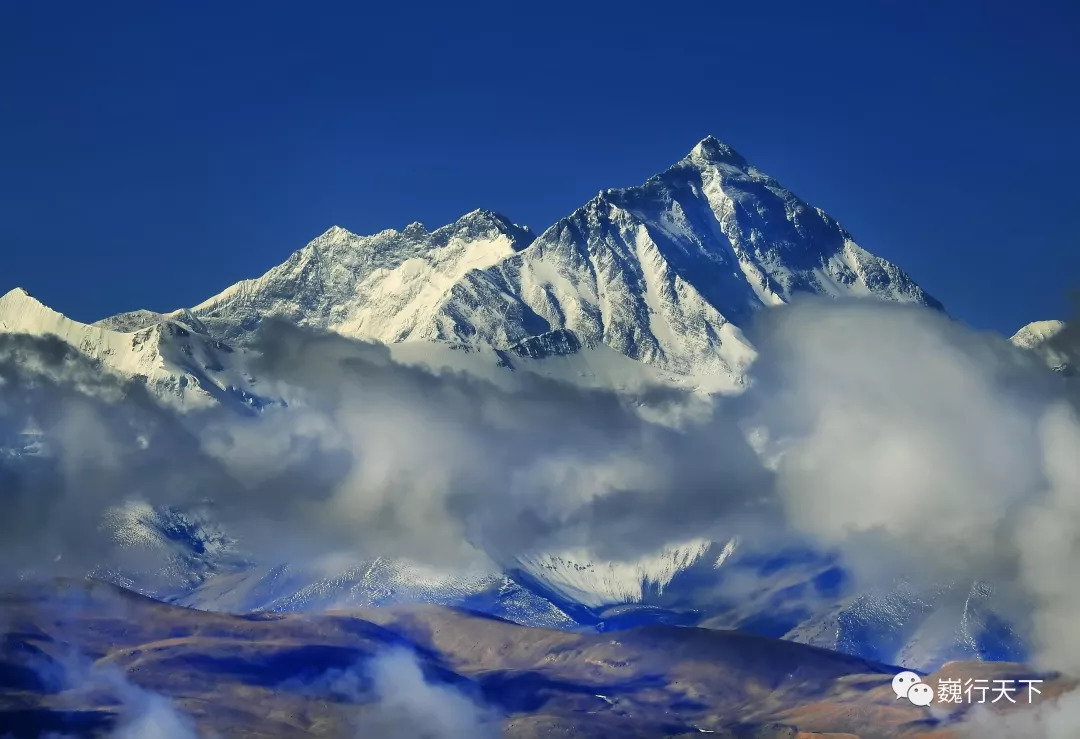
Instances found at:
x=152 y=153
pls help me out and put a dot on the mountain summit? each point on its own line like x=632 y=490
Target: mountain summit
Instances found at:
x=710 y=149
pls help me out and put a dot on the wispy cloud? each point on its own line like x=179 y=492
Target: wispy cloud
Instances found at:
x=140 y=713
x=408 y=705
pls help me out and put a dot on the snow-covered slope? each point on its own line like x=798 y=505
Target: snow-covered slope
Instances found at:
x=666 y=273
x=1036 y=333
x=800 y=596
x=1047 y=340
x=162 y=551
x=182 y=366
x=577 y=579
x=387 y=287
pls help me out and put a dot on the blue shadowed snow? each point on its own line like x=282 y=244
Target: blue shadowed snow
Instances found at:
x=796 y=593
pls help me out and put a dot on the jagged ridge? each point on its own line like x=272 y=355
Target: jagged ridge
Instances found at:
x=183 y=365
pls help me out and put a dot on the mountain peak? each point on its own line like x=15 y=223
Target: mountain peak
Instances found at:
x=19 y=297
x=1037 y=333
x=335 y=232
x=133 y=321
x=483 y=213
x=415 y=230
x=482 y=217
x=710 y=150
x=481 y=221
x=17 y=293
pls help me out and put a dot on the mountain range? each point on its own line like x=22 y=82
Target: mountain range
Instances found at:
x=645 y=285
x=667 y=273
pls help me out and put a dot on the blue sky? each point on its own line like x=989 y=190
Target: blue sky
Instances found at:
x=154 y=153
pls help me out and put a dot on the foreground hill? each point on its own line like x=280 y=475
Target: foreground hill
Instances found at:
x=85 y=657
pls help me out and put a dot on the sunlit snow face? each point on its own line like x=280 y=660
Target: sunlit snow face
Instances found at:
x=902 y=683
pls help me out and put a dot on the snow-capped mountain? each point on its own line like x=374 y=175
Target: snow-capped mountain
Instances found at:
x=1037 y=333
x=797 y=595
x=666 y=273
x=1050 y=340
x=180 y=363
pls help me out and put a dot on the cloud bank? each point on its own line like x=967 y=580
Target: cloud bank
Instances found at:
x=908 y=444
x=378 y=458
x=923 y=450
